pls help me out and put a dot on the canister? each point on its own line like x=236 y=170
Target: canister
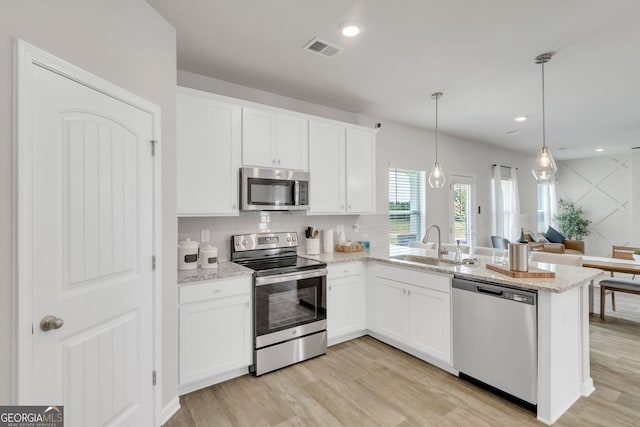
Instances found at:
x=188 y=254
x=209 y=257
x=518 y=257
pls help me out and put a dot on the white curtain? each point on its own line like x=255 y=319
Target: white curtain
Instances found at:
x=497 y=226
x=550 y=204
x=515 y=220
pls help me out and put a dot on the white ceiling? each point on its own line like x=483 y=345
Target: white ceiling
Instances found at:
x=479 y=53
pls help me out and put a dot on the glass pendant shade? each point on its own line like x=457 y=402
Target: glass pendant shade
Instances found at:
x=545 y=167
x=436 y=177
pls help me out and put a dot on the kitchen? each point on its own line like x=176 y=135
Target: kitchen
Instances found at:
x=131 y=47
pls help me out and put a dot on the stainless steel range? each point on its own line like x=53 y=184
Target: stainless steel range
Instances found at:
x=290 y=316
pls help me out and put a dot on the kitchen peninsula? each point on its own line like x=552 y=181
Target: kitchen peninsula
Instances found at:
x=563 y=371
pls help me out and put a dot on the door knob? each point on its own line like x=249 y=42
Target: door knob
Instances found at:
x=50 y=322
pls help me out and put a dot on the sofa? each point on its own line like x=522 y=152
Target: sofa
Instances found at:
x=574 y=247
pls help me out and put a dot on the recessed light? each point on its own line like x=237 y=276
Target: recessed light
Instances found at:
x=350 y=30
x=521 y=118
x=599 y=150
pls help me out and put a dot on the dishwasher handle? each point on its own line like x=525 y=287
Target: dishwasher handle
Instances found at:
x=482 y=290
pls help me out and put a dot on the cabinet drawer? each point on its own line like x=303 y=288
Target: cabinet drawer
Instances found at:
x=425 y=279
x=214 y=289
x=345 y=270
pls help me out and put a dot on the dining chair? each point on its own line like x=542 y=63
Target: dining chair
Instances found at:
x=620 y=252
x=499 y=242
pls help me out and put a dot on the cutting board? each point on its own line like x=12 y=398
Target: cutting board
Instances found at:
x=533 y=273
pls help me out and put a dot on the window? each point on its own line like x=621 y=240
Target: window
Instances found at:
x=547 y=205
x=406 y=206
x=507 y=203
x=542 y=202
x=462 y=219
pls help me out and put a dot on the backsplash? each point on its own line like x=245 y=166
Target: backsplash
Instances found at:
x=374 y=228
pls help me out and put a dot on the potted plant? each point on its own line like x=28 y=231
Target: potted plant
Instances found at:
x=570 y=220
x=636 y=256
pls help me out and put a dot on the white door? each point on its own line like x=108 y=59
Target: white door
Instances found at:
x=258 y=138
x=292 y=142
x=430 y=322
x=462 y=216
x=345 y=306
x=90 y=253
x=392 y=318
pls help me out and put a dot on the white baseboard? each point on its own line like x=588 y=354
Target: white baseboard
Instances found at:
x=170 y=409
x=197 y=385
x=346 y=337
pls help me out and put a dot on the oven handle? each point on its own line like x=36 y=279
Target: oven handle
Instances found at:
x=269 y=280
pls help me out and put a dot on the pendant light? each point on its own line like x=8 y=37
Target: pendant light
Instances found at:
x=436 y=177
x=545 y=167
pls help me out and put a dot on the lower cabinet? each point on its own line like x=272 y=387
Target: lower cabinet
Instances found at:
x=215 y=332
x=345 y=302
x=413 y=308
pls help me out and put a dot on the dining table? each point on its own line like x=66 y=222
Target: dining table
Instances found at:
x=612 y=265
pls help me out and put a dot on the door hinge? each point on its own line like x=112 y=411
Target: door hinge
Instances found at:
x=154 y=378
x=153 y=262
x=153 y=147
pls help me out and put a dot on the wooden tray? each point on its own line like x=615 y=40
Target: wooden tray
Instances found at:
x=532 y=273
x=357 y=247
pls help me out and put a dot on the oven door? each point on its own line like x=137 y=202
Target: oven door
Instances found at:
x=289 y=305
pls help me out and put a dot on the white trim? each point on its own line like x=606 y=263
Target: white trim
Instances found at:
x=169 y=410
x=209 y=381
x=26 y=55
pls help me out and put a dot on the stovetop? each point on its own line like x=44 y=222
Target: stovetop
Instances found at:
x=270 y=253
x=273 y=266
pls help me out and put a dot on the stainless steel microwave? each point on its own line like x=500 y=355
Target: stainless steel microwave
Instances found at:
x=264 y=189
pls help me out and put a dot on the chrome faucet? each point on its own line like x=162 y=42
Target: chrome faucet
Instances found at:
x=441 y=250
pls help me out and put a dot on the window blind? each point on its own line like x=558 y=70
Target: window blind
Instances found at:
x=406 y=205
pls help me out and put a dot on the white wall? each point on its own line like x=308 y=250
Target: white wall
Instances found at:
x=130 y=44
x=401 y=146
x=635 y=197
x=603 y=186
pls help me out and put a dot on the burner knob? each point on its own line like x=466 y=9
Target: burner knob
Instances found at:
x=244 y=243
x=288 y=239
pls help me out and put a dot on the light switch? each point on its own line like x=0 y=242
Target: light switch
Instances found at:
x=204 y=236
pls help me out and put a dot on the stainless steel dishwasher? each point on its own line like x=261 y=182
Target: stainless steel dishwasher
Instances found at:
x=495 y=336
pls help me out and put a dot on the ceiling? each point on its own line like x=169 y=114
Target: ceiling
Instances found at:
x=479 y=53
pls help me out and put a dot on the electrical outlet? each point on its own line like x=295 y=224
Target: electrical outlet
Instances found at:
x=204 y=236
x=356 y=228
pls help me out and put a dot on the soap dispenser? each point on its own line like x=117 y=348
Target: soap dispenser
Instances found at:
x=458 y=253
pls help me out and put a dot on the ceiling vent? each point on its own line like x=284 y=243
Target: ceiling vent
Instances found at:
x=323 y=48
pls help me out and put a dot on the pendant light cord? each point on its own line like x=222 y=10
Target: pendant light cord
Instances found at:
x=544 y=139
x=437 y=128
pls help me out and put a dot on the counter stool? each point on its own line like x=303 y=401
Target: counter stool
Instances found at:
x=617 y=285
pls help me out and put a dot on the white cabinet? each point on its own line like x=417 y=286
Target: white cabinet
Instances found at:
x=345 y=302
x=342 y=169
x=215 y=332
x=413 y=308
x=208 y=144
x=361 y=170
x=274 y=139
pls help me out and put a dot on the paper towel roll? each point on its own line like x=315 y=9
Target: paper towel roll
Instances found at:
x=327 y=241
x=341 y=237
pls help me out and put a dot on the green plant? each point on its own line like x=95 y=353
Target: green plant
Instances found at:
x=570 y=220
x=636 y=252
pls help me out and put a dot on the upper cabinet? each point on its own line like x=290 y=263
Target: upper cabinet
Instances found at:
x=342 y=169
x=208 y=148
x=274 y=139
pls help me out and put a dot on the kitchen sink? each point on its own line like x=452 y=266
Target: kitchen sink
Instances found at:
x=427 y=260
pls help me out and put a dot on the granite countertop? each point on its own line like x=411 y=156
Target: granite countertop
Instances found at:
x=225 y=270
x=567 y=277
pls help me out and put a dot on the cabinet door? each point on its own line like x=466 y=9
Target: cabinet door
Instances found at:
x=215 y=337
x=326 y=168
x=430 y=322
x=292 y=142
x=345 y=306
x=392 y=319
x=258 y=138
x=208 y=155
x=360 y=170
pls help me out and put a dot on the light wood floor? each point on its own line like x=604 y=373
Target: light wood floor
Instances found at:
x=364 y=382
